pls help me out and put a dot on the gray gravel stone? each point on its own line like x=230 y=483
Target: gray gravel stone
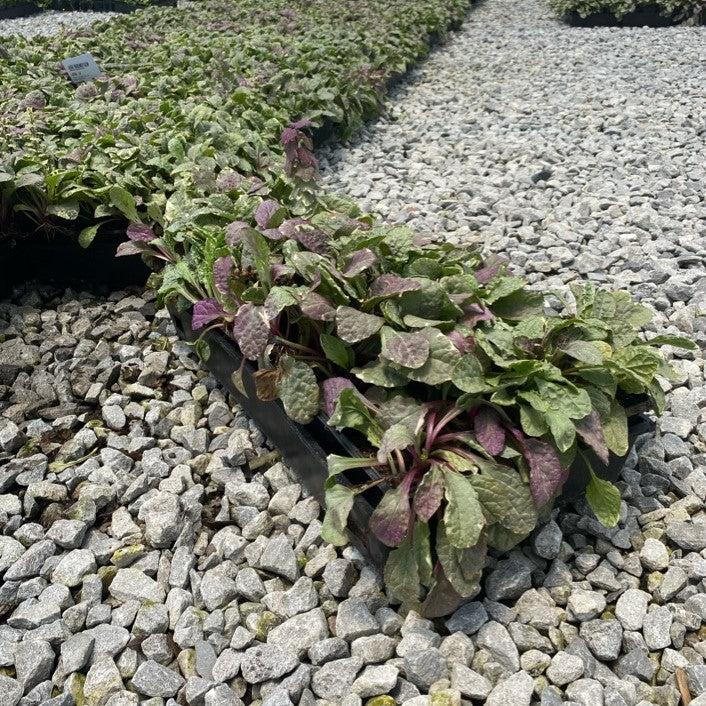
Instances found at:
x=34 y=662
x=355 y=620
x=631 y=608
x=516 y=690
x=152 y=679
x=132 y=584
x=425 y=667
x=565 y=668
x=604 y=638
x=469 y=618
x=471 y=684
x=301 y=632
x=265 y=662
x=495 y=638
x=336 y=678
x=656 y=628
x=375 y=680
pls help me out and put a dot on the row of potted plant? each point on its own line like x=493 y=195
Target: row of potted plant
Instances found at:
x=630 y=12
x=470 y=399
x=188 y=93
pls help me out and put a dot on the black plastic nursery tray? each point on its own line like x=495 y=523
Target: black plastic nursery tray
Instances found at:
x=645 y=16
x=61 y=261
x=107 y=5
x=22 y=9
x=305 y=447
x=25 y=9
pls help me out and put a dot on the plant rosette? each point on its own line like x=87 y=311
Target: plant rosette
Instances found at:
x=473 y=397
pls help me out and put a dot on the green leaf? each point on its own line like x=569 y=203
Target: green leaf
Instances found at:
x=402 y=573
x=400 y=409
x=339 y=464
x=506 y=497
x=86 y=236
x=502 y=539
x=562 y=429
x=299 y=391
x=354 y=326
x=351 y=412
x=380 y=373
x=583 y=351
x=124 y=202
x=397 y=437
x=203 y=350
x=532 y=421
x=468 y=375
x=68 y=210
x=422 y=548
x=410 y=350
x=463 y=516
x=336 y=351
x=604 y=499
x=635 y=367
x=442 y=359
x=258 y=251
x=463 y=567
x=339 y=502
x=615 y=429
x=676 y=341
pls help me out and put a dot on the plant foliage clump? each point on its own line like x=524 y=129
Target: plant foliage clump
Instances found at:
x=474 y=400
x=191 y=98
x=678 y=9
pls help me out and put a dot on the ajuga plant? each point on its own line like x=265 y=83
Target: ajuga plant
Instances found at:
x=472 y=397
x=679 y=9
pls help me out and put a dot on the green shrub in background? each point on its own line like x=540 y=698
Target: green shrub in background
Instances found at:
x=679 y=9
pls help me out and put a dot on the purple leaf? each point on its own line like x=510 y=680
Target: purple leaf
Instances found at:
x=129 y=248
x=205 y=311
x=301 y=124
x=359 y=261
x=390 y=519
x=265 y=213
x=464 y=344
x=273 y=233
x=312 y=239
x=221 y=273
x=234 y=232
x=140 y=233
x=288 y=228
x=546 y=474
x=317 y=307
x=389 y=285
x=489 y=431
x=229 y=180
x=490 y=268
x=429 y=494
x=279 y=270
x=251 y=330
x=591 y=431
x=331 y=390
x=473 y=313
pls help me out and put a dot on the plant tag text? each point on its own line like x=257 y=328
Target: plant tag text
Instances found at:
x=81 y=68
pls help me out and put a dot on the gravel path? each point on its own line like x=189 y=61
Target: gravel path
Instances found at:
x=142 y=561
x=50 y=23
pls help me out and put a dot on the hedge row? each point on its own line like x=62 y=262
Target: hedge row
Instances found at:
x=189 y=95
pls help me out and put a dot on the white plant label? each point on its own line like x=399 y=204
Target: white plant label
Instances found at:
x=81 y=68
